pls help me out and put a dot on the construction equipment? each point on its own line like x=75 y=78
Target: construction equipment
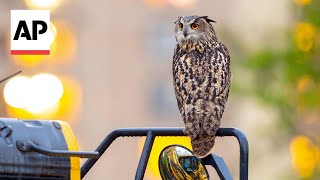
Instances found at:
x=39 y=150
x=42 y=149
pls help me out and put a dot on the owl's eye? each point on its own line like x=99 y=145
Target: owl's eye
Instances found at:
x=194 y=26
x=180 y=26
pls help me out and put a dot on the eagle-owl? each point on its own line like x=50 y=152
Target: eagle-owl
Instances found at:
x=201 y=77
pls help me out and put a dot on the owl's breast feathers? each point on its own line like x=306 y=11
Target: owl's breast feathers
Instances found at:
x=201 y=72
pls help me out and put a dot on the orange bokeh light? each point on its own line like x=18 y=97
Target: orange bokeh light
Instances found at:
x=156 y=4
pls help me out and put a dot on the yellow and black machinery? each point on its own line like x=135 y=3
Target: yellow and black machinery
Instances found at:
x=33 y=149
x=43 y=150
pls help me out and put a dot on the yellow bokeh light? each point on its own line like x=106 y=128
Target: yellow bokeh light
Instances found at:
x=52 y=32
x=183 y=3
x=36 y=94
x=46 y=91
x=159 y=144
x=30 y=60
x=71 y=100
x=64 y=46
x=43 y=4
x=66 y=109
x=304 y=36
x=304 y=156
x=304 y=83
x=16 y=91
x=302 y=2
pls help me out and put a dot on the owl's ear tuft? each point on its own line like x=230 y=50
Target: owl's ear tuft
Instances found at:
x=207 y=19
x=177 y=20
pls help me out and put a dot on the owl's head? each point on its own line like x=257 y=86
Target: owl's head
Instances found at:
x=193 y=28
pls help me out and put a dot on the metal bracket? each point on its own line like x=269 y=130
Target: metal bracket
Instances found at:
x=219 y=165
x=28 y=146
x=151 y=133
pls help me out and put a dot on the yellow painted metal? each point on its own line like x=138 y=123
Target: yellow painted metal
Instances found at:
x=72 y=146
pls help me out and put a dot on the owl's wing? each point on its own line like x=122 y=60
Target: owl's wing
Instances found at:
x=176 y=79
x=219 y=69
x=220 y=78
x=227 y=70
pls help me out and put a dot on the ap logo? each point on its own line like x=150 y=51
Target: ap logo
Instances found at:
x=30 y=32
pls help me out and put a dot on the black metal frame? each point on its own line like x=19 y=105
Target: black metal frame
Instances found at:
x=150 y=133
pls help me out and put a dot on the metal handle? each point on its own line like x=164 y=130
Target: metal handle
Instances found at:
x=28 y=146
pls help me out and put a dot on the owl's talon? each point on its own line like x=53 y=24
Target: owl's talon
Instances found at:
x=194 y=136
x=186 y=132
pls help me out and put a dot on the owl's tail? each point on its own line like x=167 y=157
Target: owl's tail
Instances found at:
x=202 y=145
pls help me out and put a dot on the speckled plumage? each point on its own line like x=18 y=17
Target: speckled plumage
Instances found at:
x=202 y=77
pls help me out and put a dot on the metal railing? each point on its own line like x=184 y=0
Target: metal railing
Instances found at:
x=150 y=133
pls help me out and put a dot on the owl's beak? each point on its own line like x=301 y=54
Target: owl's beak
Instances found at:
x=185 y=32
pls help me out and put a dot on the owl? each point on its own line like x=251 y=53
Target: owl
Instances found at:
x=201 y=78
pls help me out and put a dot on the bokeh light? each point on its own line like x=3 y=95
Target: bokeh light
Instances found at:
x=36 y=94
x=302 y=2
x=64 y=46
x=159 y=144
x=29 y=60
x=52 y=32
x=156 y=4
x=16 y=91
x=46 y=91
x=65 y=109
x=304 y=156
x=43 y=4
x=71 y=100
x=304 y=83
x=304 y=36
x=183 y=3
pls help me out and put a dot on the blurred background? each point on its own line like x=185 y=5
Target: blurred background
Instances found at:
x=110 y=67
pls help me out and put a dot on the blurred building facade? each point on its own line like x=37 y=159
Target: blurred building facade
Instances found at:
x=122 y=67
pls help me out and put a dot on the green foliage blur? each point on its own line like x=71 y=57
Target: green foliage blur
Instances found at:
x=288 y=79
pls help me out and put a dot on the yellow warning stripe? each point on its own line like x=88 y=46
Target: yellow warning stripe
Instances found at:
x=72 y=146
